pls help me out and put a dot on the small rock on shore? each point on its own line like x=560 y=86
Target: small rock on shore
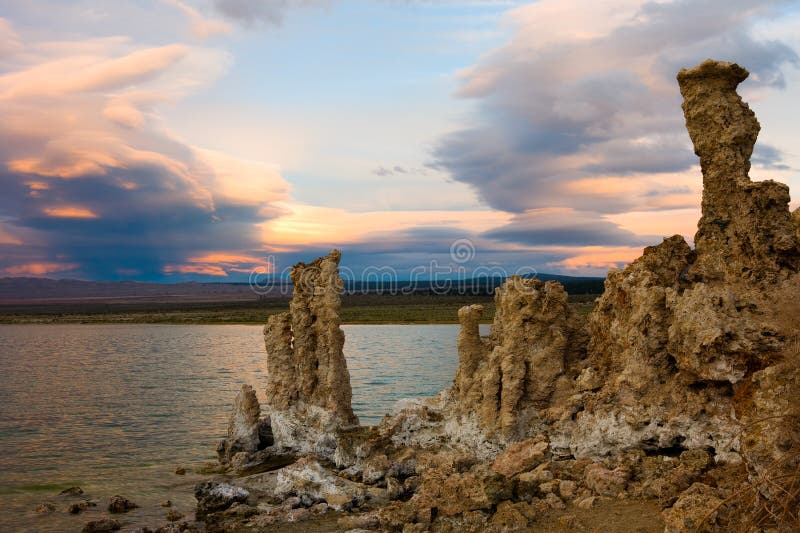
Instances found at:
x=119 y=504
x=101 y=526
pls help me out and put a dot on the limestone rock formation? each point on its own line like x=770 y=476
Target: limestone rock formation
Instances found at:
x=630 y=325
x=677 y=328
x=445 y=491
x=308 y=391
x=244 y=425
x=521 y=457
x=746 y=231
x=695 y=508
x=506 y=378
x=641 y=398
x=308 y=396
x=719 y=333
x=213 y=496
x=680 y=389
x=305 y=361
x=307 y=479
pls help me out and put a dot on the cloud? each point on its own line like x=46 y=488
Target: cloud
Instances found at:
x=204 y=270
x=69 y=212
x=7 y=237
x=202 y=27
x=585 y=93
x=220 y=264
x=38 y=269
x=131 y=109
x=383 y=171
x=92 y=181
x=9 y=40
x=255 y=12
x=768 y=157
x=242 y=182
x=594 y=259
x=564 y=227
x=308 y=226
x=577 y=143
x=75 y=73
x=273 y=12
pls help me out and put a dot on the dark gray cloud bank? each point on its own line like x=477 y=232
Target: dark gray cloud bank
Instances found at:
x=256 y=12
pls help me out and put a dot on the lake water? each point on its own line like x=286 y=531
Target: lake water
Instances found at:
x=114 y=409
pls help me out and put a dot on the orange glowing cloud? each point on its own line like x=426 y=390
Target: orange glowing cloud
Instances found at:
x=207 y=270
x=242 y=181
x=220 y=263
x=307 y=225
x=81 y=73
x=38 y=269
x=37 y=185
x=8 y=238
x=593 y=257
x=131 y=109
x=86 y=108
x=225 y=258
x=88 y=111
x=77 y=162
x=675 y=190
x=9 y=40
x=665 y=223
x=69 y=212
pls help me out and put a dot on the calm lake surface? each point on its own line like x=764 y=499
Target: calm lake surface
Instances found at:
x=115 y=409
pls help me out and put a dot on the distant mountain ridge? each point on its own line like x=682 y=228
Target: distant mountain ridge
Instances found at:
x=25 y=289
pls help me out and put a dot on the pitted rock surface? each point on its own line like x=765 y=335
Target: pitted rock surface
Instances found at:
x=746 y=233
x=507 y=377
x=243 y=427
x=305 y=358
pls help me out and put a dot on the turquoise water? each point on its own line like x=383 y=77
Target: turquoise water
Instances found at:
x=115 y=409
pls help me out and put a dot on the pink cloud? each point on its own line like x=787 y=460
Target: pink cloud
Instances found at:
x=83 y=108
x=70 y=211
x=202 y=27
x=7 y=237
x=307 y=225
x=38 y=269
x=591 y=258
x=9 y=40
x=81 y=132
x=72 y=74
x=206 y=270
x=225 y=257
x=220 y=264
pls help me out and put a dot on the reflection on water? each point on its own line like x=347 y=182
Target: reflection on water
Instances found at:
x=115 y=409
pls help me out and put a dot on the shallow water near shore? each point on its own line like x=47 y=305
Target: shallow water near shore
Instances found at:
x=115 y=409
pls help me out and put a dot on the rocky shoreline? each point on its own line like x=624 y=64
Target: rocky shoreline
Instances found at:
x=673 y=408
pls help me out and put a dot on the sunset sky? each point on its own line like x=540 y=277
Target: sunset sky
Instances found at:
x=174 y=140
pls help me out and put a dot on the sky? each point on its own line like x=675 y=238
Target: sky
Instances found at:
x=208 y=140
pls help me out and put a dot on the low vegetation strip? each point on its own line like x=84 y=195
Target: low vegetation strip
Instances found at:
x=356 y=309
